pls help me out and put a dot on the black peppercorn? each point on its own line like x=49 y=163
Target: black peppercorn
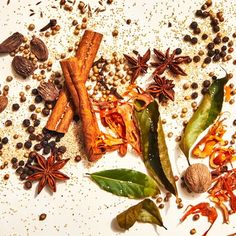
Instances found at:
x=197 y=31
x=1 y=146
x=225 y=39
x=224 y=48
x=19 y=170
x=196 y=59
x=187 y=38
x=194 y=95
x=32 y=137
x=37 y=147
x=26 y=123
x=217 y=51
x=36 y=123
x=34 y=91
x=217 y=40
x=38 y=99
x=206 y=83
x=178 y=51
x=23 y=176
x=14 y=160
x=214 y=22
x=210 y=45
x=205 y=14
x=28 y=144
x=5 y=140
x=62 y=149
x=204 y=91
x=19 y=145
x=33 y=116
x=198 y=13
x=28 y=185
x=222 y=54
x=214 y=77
x=193 y=25
x=32 y=107
x=207 y=60
x=216 y=29
x=46 y=111
x=204 y=36
x=30 y=129
x=47 y=136
x=15 y=107
x=194 y=40
x=210 y=53
x=234 y=122
x=21 y=163
x=8 y=123
x=46 y=150
x=216 y=58
x=194 y=85
x=78 y=158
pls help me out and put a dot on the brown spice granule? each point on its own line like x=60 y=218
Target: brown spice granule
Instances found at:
x=42 y=216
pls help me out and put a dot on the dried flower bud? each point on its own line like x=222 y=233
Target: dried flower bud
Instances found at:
x=48 y=91
x=198 y=178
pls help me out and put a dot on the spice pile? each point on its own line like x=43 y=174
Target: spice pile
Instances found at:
x=104 y=97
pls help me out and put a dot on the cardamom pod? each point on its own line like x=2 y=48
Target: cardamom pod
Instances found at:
x=39 y=49
x=11 y=43
x=3 y=103
x=23 y=66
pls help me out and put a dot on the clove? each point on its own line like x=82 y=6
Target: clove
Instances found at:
x=51 y=24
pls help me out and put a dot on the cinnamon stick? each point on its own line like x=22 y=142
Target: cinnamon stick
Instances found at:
x=63 y=112
x=73 y=71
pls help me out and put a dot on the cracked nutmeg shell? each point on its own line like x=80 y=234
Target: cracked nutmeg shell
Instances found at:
x=11 y=43
x=39 y=49
x=3 y=103
x=48 y=91
x=198 y=178
x=23 y=66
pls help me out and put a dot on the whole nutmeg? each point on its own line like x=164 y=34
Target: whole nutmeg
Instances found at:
x=198 y=178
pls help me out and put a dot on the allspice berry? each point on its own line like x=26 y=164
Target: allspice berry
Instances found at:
x=198 y=178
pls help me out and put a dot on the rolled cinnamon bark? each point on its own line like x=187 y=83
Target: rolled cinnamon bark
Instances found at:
x=63 y=111
x=72 y=69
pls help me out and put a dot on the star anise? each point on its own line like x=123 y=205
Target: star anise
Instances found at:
x=170 y=61
x=138 y=66
x=162 y=88
x=47 y=172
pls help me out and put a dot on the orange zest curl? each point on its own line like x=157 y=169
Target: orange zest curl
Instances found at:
x=214 y=136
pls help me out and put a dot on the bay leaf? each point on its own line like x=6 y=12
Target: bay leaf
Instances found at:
x=208 y=110
x=144 y=212
x=126 y=182
x=154 y=148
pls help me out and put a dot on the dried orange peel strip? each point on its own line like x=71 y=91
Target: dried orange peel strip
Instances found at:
x=209 y=141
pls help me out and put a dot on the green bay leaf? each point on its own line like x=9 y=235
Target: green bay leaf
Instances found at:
x=208 y=110
x=154 y=148
x=126 y=182
x=144 y=212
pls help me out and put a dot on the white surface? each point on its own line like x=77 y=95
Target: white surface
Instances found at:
x=79 y=207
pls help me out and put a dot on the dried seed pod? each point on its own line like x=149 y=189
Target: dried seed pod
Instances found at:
x=198 y=178
x=11 y=43
x=23 y=66
x=48 y=91
x=3 y=103
x=39 y=49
